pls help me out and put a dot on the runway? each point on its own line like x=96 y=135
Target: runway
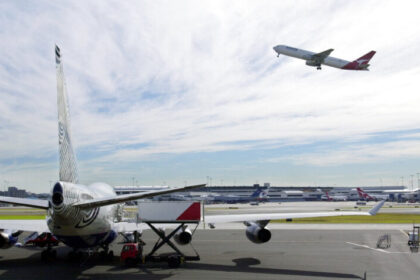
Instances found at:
x=227 y=254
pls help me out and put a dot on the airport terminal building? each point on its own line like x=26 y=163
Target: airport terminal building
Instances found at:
x=276 y=193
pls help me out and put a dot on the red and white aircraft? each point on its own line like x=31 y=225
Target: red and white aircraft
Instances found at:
x=334 y=197
x=317 y=59
x=365 y=196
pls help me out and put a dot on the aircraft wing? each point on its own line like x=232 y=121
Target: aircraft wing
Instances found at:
x=35 y=203
x=128 y=197
x=25 y=225
x=319 y=57
x=279 y=216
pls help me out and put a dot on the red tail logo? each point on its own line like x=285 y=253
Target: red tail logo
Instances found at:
x=361 y=63
x=362 y=194
x=365 y=59
x=328 y=197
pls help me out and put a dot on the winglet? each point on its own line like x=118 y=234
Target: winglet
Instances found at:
x=376 y=208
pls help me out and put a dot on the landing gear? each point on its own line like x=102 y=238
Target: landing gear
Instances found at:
x=49 y=254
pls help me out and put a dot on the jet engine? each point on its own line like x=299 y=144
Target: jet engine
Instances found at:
x=7 y=240
x=183 y=237
x=257 y=234
x=312 y=63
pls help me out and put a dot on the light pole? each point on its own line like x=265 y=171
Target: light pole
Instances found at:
x=412 y=187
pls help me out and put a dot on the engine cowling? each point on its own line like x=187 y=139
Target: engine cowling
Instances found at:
x=7 y=240
x=257 y=234
x=312 y=63
x=183 y=237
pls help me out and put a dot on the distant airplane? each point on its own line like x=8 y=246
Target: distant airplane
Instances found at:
x=259 y=195
x=334 y=197
x=317 y=59
x=365 y=196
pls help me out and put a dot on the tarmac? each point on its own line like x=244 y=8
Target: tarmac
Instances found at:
x=227 y=254
x=295 y=251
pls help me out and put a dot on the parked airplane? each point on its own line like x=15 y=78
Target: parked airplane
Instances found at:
x=365 y=196
x=91 y=216
x=259 y=195
x=333 y=197
x=317 y=59
x=79 y=216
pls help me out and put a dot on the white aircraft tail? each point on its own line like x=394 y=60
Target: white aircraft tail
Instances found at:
x=68 y=166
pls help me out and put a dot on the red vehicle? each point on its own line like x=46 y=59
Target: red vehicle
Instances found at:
x=42 y=240
x=131 y=254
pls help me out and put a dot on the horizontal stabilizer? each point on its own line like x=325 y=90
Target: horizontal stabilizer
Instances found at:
x=129 y=197
x=35 y=203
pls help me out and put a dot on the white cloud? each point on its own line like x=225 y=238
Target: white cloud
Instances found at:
x=356 y=154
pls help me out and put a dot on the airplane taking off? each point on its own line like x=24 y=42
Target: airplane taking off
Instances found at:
x=90 y=217
x=317 y=59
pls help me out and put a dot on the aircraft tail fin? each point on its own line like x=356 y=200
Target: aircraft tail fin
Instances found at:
x=260 y=192
x=328 y=196
x=364 y=60
x=68 y=166
x=360 y=193
x=364 y=195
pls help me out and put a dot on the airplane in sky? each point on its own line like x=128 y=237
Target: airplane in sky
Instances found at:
x=317 y=59
x=334 y=197
x=90 y=217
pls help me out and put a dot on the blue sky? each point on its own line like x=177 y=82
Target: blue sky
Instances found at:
x=179 y=91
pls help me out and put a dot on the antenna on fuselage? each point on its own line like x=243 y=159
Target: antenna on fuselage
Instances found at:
x=68 y=166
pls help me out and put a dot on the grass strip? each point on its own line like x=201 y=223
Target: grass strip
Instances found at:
x=22 y=217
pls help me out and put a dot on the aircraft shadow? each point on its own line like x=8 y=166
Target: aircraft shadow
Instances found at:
x=33 y=268
x=245 y=265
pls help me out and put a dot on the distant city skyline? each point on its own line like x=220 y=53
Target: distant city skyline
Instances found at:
x=177 y=92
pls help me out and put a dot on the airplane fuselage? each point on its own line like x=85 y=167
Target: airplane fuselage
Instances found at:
x=79 y=228
x=329 y=60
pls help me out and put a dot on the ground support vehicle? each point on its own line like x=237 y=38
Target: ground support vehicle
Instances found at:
x=132 y=253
